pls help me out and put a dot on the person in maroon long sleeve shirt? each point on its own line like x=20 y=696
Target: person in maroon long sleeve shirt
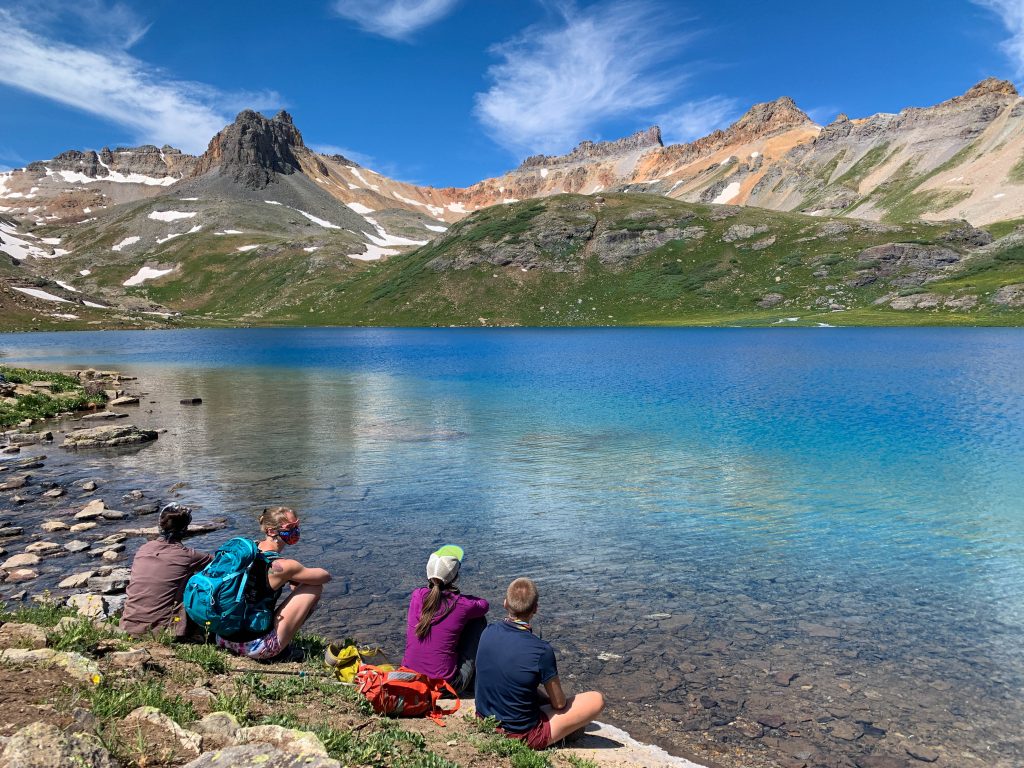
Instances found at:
x=159 y=573
x=443 y=626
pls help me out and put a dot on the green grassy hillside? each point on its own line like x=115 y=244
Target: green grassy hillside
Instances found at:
x=553 y=262
x=621 y=259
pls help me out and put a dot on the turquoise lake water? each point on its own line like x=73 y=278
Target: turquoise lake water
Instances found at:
x=846 y=504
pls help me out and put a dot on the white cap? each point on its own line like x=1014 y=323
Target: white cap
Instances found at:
x=444 y=564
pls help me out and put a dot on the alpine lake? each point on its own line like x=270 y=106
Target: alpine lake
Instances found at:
x=766 y=546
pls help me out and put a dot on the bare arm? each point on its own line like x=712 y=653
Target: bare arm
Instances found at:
x=284 y=571
x=553 y=688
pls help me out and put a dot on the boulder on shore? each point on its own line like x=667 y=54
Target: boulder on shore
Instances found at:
x=108 y=436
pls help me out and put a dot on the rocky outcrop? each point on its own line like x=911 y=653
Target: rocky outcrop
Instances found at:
x=108 y=436
x=905 y=265
x=41 y=745
x=590 y=150
x=253 y=149
x=76 y=666
x=1010 y=296
x=260 y=756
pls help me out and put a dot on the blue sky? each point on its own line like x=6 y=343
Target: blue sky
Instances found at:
x=447 y=92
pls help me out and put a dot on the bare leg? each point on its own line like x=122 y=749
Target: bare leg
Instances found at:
x=294 y=611
x=578 y=711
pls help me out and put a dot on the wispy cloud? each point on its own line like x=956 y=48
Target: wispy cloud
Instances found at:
x=108 y=82
x=696 y=119
x=396 y=19
x=556 y=82
x=1012 y=14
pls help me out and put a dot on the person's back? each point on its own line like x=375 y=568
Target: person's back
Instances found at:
x=160 y=570
x=511 y=665
x=444 y=626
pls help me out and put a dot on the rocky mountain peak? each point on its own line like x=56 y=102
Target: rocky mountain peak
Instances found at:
x=253 y=149
x=597 y=150
x=769 y=117
x=991 y=85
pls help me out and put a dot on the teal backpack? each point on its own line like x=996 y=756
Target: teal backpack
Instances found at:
x=215 y=597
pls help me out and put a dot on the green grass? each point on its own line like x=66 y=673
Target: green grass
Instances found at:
x=83 y=636
x=67 y=396
x=859 y=171
x=518 y=754
x=1016 y=174
x=113 y=701
x=212 y=660
x=45 y=614
x=580 y=762
x=236 y=702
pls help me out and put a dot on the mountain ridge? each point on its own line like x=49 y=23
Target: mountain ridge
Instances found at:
x=132 y=228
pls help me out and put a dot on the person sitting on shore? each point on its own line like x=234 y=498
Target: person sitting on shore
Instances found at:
x=512 y=664
x=159 y=572
x=443 y=627
x=267 y=578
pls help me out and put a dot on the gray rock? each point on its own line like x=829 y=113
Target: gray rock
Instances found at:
x=89 y=485
x=743 y=232
x=75 y=665
x=41 y=745
x=13 y=483
x=14 y=635
x=10 y=531
x=134 y=659
x=218 y=729
x=114 y=583
x=88 y=605
x=52 y=526
x=259 y=756
x=42 y=547
x=76 y=546
x=770 y=300
x=20 y=561
x=125 y=400
x=77 y=580
x=968 y=236
x=29 y=438
x=190 y=743
x=108 y=436
x=22 y=574
x=1010 y=296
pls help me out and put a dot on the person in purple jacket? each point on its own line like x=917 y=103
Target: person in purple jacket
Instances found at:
x=444 y=626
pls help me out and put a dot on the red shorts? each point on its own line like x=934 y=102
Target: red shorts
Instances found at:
x=537 y=737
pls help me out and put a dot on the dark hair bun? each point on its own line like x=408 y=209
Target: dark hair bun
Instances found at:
x=174 y=519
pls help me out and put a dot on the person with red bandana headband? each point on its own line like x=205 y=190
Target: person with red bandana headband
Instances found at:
x=267 y=578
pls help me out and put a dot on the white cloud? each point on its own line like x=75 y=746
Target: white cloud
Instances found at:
x=110 y=83
x=554 y=84
x=1012 y=14
x=397 y=19
x=696 y=119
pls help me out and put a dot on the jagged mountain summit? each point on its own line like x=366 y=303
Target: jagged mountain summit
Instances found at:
x=133 y=227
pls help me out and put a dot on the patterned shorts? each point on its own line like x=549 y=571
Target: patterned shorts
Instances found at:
x=266 y=647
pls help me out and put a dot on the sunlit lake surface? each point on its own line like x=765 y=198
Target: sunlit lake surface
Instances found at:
x=707 y=510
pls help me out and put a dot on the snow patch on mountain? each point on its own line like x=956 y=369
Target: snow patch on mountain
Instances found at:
x=35 y=292
x=144 y=274
x=172 y=215
x=130 y=240
x=729 y=193
x=322 y=222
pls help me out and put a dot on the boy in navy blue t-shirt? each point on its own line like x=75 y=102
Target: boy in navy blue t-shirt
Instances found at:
x=512 y=665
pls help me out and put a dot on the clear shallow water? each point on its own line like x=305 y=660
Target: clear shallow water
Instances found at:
x=844 y=504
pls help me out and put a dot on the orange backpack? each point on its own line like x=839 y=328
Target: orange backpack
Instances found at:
x=403 y=692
